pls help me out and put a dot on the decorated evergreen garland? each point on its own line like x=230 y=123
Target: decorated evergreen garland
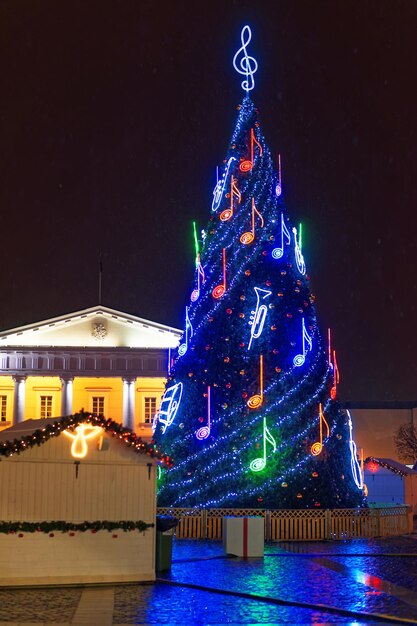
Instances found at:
x=10 y=528
x=40 y=436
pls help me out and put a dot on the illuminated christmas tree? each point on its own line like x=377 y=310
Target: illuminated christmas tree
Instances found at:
x=250 y=413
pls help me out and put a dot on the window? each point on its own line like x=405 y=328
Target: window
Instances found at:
x=3 y=408
x=98 y=405
x=150 y=410
x=46 y=406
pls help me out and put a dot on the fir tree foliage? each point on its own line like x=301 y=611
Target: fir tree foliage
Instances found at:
x=245 y=343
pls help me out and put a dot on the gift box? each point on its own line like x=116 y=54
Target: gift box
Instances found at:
x=244 y=536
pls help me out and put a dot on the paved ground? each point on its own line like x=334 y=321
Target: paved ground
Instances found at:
x=352 y=582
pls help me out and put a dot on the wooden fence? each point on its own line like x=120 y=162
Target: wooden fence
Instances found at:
x=300 y=524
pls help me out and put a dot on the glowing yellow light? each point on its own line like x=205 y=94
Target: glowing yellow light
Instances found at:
x=249 y=236
x=83 y=432
x=220 y=290
x=317 y=446
x=256 y=401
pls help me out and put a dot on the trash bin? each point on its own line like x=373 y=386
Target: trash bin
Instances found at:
x=165 y=525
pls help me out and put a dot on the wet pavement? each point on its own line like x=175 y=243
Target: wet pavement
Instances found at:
x=349 y=582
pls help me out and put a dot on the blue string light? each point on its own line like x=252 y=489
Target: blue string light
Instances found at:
x=220 y=354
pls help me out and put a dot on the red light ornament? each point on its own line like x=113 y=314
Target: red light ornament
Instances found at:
x=372 y=466
x=220 y=290
x=247 y=164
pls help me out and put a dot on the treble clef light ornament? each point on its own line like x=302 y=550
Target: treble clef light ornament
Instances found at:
x=243 y=63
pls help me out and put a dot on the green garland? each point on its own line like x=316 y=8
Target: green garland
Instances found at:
x=40 y=436
x=379 y=462
x=9 y=528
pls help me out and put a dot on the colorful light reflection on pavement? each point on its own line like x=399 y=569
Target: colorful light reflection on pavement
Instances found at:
x=353 y=582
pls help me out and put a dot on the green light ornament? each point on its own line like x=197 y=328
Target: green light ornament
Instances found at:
x=257 y=465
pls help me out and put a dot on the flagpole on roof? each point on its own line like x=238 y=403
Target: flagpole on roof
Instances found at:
x=100 y=272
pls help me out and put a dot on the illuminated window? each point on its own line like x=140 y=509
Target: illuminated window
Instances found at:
x=150 y=410
x=46 y=406
x=3 y=408
x=98 y=405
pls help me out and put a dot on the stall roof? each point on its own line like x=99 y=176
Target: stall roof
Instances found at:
x=25 y=428
x=32 y=432
x=394 y=466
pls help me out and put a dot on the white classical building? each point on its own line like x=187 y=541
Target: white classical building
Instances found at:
x=98 y=359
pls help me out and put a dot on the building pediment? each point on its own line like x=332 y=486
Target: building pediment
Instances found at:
x=96 y=327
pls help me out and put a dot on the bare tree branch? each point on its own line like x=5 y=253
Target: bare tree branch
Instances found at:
x=406 y=442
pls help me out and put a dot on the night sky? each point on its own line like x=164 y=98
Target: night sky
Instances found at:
x=114 y=116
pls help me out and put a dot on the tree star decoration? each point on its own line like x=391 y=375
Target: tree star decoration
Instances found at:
x=80 y=435
x=245 y=65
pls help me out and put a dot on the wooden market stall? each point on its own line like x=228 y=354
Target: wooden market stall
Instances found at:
x=390 y=482
x=77 y=502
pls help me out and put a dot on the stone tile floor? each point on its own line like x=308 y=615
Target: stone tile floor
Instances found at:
x=350 y=582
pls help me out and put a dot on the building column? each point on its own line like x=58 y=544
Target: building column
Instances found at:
x=19 y=398
x=66 y=396
x=129 y=402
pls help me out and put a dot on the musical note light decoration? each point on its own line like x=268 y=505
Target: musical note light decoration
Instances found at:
x=329 y=347
x=354 y=463
x=196 y=245
x=218 y=190
x=317 y=446
x=333 y=366
x=258 y=316
x=306 y=340
x=234 y=193
x=257 y=400
x=220 y=290
x=188 y=329
x=201 y=277
x=80 y=436
x=278 y=188
x=257 y=465
x=247 y=164
x=336 y=377
x=249 y=236
x=278 y=252
x=204 y=431
x=169 y=406
x=299 y=259
x=245 y=65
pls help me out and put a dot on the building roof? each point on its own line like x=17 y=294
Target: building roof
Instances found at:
x=390 y=464
x=97 y=326
x=36 y=432
x=25 y=428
